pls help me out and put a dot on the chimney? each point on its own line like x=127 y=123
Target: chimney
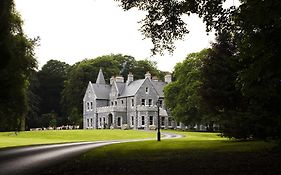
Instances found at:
x=148 y=75
x=154 y=78
x=119 y=79
x=130 y=78
x=111 y=80
x=168 y=78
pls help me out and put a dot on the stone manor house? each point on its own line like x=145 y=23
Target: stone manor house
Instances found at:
x=130 y=104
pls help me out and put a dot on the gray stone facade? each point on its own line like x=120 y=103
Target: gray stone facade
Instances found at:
x=130 y=104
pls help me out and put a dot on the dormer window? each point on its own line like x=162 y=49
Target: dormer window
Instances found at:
x=146 y=90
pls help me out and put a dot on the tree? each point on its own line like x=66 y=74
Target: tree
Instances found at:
x=17 y=64
x=181 y=96
x=255 y=29
x=259 y=46
x=222 y=100
x=51 y=83
x=163 y=22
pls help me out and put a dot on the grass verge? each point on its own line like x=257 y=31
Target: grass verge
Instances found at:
x=197 y=153
x=10 y=139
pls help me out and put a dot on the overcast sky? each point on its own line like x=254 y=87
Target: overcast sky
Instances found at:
x=72 y=30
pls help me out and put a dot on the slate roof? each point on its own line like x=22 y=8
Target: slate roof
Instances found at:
x=100 y=78
x=101 y=90
x=159 y=87
x=120 y=86
x=132 y=88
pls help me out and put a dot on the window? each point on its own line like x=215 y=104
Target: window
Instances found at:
x=100 y=122
x=162 y=121
x=169 y=121
x=88 y=123
x=112 y=103
x=150 y=120
x=146 y=90
x=142 y=102
x=149 y=102
x=119 y=121
x=91 y=107
x=115 y=103
x=91 y=121
x=160 y=103
x=122 y=102
x=88 y=106
x=132 y=120
x=142 y=120
x=133 y=103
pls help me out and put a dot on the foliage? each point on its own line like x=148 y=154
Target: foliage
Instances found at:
x=259 y=46
x=51 y=83
x=254 y=29
x=17 y=65
x=181 y=96
x=163 y=23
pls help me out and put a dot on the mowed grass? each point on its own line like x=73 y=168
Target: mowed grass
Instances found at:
x=196 y=153
x=11 y=139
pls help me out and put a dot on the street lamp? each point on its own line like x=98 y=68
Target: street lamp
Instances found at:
x=158 y=127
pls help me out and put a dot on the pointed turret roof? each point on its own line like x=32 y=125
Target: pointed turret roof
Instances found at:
x=100 y=78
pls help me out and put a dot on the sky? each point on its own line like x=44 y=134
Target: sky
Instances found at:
x=73 y=30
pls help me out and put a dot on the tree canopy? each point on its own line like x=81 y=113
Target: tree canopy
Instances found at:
x=17 y=65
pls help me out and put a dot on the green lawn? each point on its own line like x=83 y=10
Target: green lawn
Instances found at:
x=10 y=139
x=196 y=153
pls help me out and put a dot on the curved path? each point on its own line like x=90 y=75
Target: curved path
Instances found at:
x=25 y=160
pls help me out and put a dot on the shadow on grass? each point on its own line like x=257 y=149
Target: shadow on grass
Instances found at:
x=179 y=156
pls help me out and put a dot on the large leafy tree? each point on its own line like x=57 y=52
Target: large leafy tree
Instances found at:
x=182 y=96
x=51 y=83
x=17 y=64
x=255 y=28
x=164 y=24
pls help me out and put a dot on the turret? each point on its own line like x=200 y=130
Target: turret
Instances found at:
x=100 y=78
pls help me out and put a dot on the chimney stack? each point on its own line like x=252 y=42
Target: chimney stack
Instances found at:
x=111 y=80
x=148 y=75
x=119 y=79
x=168 y=78
x=130 y=78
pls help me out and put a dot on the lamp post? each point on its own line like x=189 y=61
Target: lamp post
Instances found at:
x=158 y=122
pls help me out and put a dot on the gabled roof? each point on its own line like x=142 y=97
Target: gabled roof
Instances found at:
x=132 y=88
x=159 y=87
x=120 y=87
x=100 y=78
x=101 y=91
